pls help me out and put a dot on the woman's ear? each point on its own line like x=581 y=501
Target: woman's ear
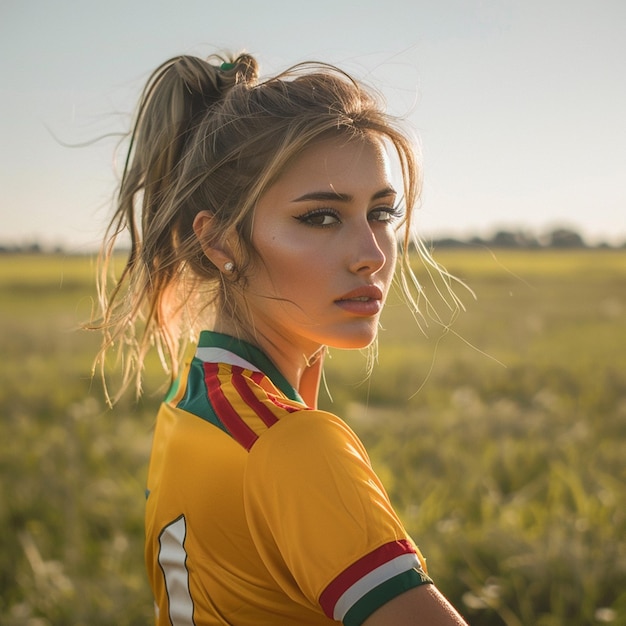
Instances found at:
x=218 y=252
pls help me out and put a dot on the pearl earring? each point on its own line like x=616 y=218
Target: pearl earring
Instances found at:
x=229 y=266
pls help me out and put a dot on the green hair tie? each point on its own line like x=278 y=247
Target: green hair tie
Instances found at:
x=224 y=67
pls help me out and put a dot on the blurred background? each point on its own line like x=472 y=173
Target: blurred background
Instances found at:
x=500 y=438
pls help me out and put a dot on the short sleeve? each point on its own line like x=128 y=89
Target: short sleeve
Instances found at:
x=322 y=521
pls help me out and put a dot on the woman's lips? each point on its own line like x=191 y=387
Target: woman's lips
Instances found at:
x=364 y=301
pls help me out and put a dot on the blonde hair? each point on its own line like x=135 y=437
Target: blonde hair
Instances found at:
x=209 y=136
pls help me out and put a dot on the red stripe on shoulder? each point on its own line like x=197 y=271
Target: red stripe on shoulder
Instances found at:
x=258 y=378
x=283 y=405
x=231 y=419
x=360 y=568
x=241 y=385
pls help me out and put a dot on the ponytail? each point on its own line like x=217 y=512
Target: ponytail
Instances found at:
x=177 y=96
x=179 y=93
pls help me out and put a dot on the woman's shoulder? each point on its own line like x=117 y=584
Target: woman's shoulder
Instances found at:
x=307 y=437
x=312 y=424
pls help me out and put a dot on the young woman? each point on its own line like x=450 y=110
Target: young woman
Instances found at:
x=264 y=223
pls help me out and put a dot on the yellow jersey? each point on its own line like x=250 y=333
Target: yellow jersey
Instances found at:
x=262 y=511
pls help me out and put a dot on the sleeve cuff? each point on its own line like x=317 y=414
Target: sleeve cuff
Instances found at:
x=382 y=594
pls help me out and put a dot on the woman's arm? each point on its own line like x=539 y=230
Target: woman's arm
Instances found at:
x=420 y=606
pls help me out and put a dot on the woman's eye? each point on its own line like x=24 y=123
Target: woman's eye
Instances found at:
x=384 y=214
x=319 y=218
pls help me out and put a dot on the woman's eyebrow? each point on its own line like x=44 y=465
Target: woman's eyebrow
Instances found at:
x=342 y=197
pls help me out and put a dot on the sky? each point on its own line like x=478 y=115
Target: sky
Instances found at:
x=519 y=105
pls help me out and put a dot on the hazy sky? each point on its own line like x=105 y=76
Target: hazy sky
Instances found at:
x=520 y=104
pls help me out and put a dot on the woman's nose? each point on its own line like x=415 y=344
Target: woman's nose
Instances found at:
x=367 y=255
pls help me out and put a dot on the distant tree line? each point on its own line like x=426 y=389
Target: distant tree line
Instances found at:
x=559 y=238
x=29 y=248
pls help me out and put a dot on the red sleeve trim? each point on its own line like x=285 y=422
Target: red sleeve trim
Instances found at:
x=360 y=568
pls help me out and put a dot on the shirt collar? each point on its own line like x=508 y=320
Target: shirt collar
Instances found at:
x=219 y=348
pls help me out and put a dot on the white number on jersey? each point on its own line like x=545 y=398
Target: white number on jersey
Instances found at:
x=173 y=562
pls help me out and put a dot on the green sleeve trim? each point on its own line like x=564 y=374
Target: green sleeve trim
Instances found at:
x=381 y=594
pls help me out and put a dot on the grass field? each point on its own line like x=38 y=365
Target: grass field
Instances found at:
x=502 y=443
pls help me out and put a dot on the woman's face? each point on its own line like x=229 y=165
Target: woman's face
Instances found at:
x=325 y=237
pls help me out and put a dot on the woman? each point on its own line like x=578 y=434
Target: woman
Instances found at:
x=267 y=215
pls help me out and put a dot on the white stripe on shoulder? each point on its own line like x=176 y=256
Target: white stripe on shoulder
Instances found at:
x=384 y=572
x=219 y=355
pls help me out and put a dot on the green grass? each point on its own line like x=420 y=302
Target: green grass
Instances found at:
x=501 y=443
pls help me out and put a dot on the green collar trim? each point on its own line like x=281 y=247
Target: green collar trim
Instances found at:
x=252 y=354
